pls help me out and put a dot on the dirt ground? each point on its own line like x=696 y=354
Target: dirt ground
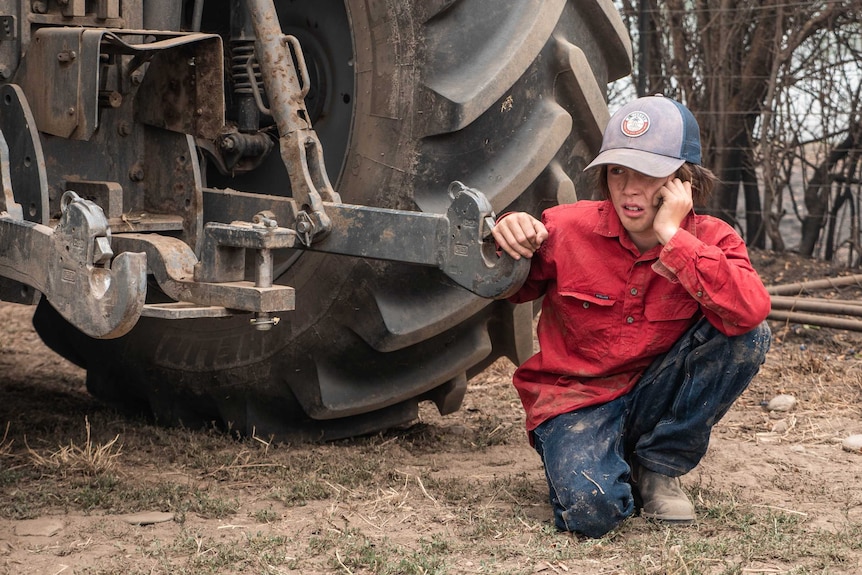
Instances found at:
x=84 y=489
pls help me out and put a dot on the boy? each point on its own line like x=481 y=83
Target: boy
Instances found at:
x=652 y=324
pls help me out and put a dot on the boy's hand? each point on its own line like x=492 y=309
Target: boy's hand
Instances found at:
x=519 y=234
x=674 y=203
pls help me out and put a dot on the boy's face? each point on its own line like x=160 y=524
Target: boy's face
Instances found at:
x=636 y=198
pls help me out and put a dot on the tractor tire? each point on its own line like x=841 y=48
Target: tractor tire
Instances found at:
x=507 y=96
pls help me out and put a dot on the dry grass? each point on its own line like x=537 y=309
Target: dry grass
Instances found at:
x=92 y=459
x=6 y=443
x=460 y=494
x=379 y=506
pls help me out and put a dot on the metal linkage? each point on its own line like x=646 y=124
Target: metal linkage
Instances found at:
x=217 y=281
x=71 y=265
x=458 y=243
x=286 y=81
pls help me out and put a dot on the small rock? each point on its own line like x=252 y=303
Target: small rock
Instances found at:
x=852 y=444
x=780 y=426
x=782 y=402
x=457 y=429
x=147 y=517
x=43 y=527
x=767 y=437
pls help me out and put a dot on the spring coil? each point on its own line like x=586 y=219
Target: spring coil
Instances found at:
x=241 y=51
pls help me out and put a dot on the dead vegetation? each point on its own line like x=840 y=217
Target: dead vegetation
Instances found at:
x=90 y=459
x=448 y=495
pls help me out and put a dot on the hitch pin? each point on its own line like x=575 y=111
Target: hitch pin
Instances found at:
x=262 y=321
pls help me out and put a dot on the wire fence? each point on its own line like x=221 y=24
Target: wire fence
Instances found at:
x=808 y=105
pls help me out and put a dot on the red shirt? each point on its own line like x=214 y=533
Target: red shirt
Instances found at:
x=609 y=310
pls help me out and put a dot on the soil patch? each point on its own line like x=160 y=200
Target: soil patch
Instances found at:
x=84 y=489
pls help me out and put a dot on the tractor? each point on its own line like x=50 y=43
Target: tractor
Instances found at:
x=276 y=215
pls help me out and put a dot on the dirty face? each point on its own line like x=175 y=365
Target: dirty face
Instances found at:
x=636 y=199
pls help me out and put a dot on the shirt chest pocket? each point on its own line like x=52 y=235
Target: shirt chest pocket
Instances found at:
x=590 y=322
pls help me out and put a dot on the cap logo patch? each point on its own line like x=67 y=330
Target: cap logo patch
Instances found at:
x=635 y=124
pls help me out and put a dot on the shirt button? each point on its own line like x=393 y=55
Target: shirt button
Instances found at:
x=586 y=304
x=630 y=319
x=634 y=291
x=699 y=293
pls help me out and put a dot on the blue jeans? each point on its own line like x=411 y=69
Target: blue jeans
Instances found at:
x=663 y=424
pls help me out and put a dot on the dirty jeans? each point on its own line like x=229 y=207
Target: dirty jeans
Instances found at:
x=663 y=424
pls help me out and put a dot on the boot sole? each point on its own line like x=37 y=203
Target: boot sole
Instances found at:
x=687 y=520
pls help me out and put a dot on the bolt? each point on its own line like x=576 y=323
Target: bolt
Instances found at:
x=227 y=143
x=136 y=173
x=67 y=56
x=262 y=321
x=39 y=7
x=137 y=77
x=303 y=226
x=71 y=111
x=266 y=219
x=110 y=99
x=124 y=129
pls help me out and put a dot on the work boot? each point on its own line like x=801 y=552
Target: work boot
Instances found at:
x=662 y=497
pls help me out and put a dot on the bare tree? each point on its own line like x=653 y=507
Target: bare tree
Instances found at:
x=747 y=69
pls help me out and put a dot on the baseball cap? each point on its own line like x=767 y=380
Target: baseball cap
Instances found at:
x=654 y=135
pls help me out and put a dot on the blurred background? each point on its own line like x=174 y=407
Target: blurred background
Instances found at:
x=775 y=86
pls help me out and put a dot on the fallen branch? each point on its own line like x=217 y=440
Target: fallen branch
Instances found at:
x=817 y=305
x=814 y=319
x=800 y=287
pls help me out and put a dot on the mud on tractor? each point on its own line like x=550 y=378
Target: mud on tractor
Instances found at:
x=275 y=214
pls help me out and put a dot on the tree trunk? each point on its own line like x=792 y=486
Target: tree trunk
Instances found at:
x=754 y=228
x=817 y=195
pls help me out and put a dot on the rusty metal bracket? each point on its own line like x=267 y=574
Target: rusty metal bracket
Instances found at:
x=173 y=265
x=71 y=265
x=459 y=243
x=286 y=82
x=182 y=89
x=224 y=246
x=223 y=256
x=471 y=258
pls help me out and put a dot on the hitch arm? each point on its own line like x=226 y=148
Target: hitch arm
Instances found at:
x=458 y=243
x=71 y=265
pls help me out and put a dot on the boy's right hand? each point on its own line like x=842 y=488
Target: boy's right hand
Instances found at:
x=519 y=234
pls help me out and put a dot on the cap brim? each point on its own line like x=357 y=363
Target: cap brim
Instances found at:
x=654 y=165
